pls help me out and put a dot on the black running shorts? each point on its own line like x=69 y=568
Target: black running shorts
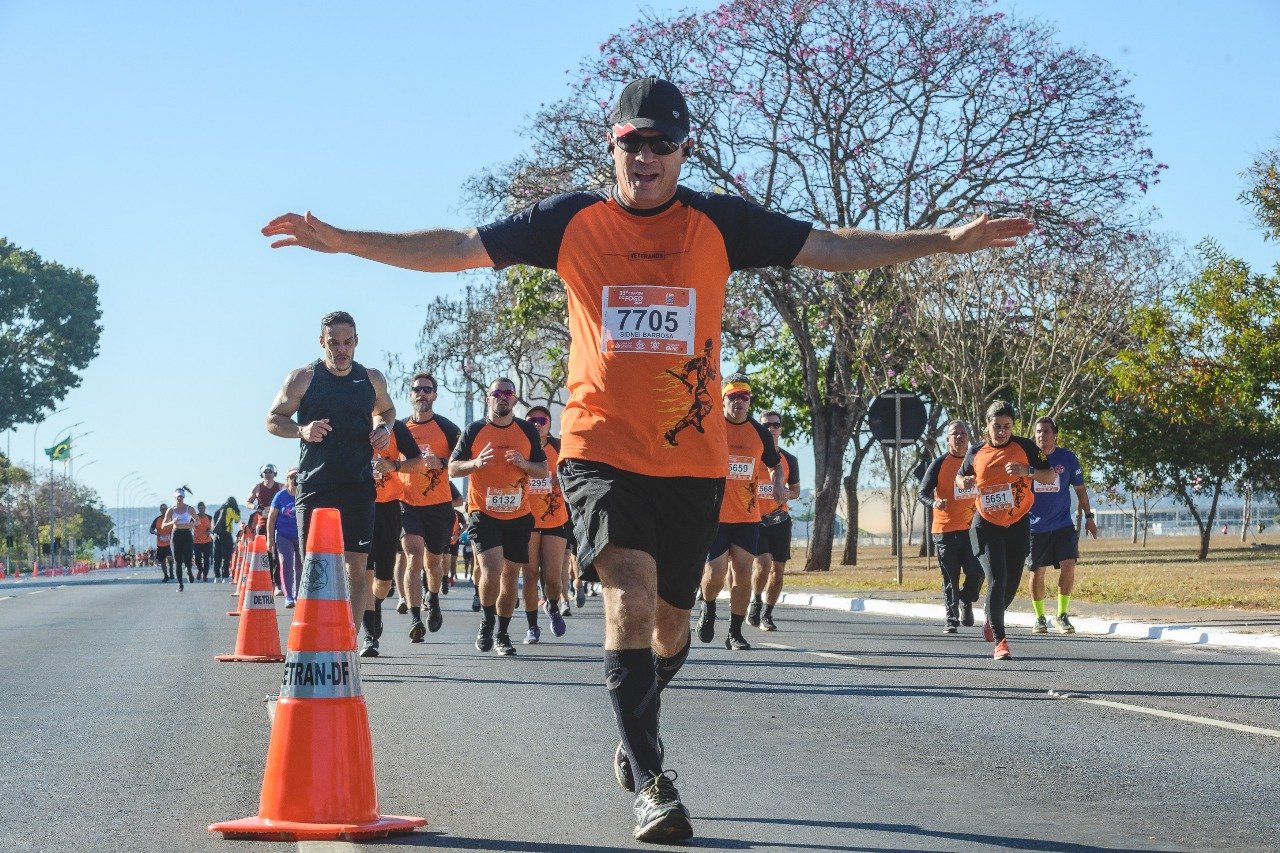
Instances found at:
x=1050 y=549
x=564 y=531
x=775 y=540
x=386 y=540
x=354 y=502
x=511 y=535
x=433 y=523
x=672 y=519
x=163 y=552
x=744 y=534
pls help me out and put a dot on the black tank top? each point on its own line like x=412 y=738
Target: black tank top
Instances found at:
x=344 y=456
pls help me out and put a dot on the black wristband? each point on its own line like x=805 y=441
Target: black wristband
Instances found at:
x=1088 y=515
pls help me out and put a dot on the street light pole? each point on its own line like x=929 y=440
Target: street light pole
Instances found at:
x=35 y=522
x=120 y=509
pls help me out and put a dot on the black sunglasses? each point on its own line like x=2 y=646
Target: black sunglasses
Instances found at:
x=660 y=145
x=773 y=424
x=540 y=420
x=422 y=389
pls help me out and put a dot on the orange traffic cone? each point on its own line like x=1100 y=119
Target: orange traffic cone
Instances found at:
x=319 y=781
x=242 y=585
x=258 y=638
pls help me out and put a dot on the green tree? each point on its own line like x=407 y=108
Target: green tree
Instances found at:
x=1195 y=405
x=48 y=332
x=1263 y=194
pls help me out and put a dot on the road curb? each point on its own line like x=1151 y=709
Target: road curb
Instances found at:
x=1170 y=632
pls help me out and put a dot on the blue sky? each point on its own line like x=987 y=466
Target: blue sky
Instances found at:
x=147 y=142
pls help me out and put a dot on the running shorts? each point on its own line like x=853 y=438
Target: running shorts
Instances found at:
x=433 y=523
x=775 y=540
x=509 y=534
x=744 y=534
x=386 y=540
x=355 y=503
x=672 y=519
x=1050 y=549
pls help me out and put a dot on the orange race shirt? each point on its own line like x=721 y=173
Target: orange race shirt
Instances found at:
x=751 y=455
x=499 y=489
x=1003 y=498
x=438 y=437
x=940 y=482
x=546 y=499
x=764 y=487
x=645 y=292
x=401 y=447
x=164 y=535
x=202 y=536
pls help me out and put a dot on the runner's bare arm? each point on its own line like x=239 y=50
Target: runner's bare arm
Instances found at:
x=280 y=419
x=465 y=467
x=272 y=515
x=856 y=249
x=384 y=411
x=433 y=250
x=780 y=483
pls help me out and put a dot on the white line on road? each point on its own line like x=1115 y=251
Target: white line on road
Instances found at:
x=6 y=597
x=326 y=847
x=828 y=655
x=35 y=592
x=1171 y=715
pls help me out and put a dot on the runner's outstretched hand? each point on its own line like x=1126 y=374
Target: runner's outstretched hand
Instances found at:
x=987 y=233
x=306 y=231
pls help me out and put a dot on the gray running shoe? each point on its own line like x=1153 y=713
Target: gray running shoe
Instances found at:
x=753 y=614
x=1063 y=623
x=1041 y=626
x=660 y=816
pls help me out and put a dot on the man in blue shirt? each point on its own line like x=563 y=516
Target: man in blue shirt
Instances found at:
x=1054 y=537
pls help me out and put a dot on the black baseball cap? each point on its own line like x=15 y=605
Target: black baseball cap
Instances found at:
x=651 y=103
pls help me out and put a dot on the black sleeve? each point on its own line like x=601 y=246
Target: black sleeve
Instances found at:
x=533 y=235
x=770 y=455
x=462 y=453
x=929 y=485
x=154 y=522
x=1035 y=456
x=450 y=430
x=753 y=236
x=966 y=467
x=536 y=453
x=793 y=465
x=405 y=442
x=554 y=442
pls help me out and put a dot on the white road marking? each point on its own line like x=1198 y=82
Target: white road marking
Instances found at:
x=35 y=592
x=1170 y=715
x=326 y=847
x=828 y=655
x=6 y=597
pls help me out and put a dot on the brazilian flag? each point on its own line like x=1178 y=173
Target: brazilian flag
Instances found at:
x=61 y=450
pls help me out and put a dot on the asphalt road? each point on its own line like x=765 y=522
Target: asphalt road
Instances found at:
x=118 y=731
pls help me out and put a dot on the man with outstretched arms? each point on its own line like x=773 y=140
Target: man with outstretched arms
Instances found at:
x=499 y=454
x=953 y=511
x=645 y=264
x=550 y=533
x=1000 y=468
x=752 y=455
x=343 y=415
x=1054 y=538
x=399 y=456
x=426 y=504
x=775 y=530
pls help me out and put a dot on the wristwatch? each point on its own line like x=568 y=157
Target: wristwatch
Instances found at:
x=1088 y=515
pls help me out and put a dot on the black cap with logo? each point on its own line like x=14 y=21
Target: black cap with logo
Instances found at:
x=652 y=103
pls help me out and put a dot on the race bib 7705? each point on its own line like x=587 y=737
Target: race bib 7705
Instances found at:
x=648 y=318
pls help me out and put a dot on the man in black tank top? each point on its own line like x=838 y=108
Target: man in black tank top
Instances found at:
x=342 y=413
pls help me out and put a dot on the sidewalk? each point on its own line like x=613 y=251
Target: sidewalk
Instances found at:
x=1236 y=628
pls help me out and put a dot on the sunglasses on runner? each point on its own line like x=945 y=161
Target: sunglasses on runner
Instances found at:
x=741 y=395
x=660 y=145
x=539 y=420
x=773 y=424
x=503 y=395
x=422 y=389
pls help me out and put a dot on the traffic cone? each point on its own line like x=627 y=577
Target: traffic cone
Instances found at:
x=258 y=638
x=319 y=781
x=237 y=562
x=246 y=569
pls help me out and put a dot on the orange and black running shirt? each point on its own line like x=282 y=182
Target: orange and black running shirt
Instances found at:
x=201 y=534
x=438 y=436
x=545 y=497
x=499 y=489
x=1002 y=497
x=164 y=535
x=401 y=446
x=751 y=455
x=764 y=487
x=940 y=482
x=646 y=290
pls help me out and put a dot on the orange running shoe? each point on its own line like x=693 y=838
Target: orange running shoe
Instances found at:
x=1002 y=651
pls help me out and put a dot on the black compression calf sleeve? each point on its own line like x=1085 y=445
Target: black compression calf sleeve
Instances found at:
x=632 y=682
x=666 y=668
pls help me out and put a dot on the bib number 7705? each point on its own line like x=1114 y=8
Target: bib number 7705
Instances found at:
x=648 y=318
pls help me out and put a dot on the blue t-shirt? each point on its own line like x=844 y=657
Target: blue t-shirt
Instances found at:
x=286 y=521
x=1052 y=508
